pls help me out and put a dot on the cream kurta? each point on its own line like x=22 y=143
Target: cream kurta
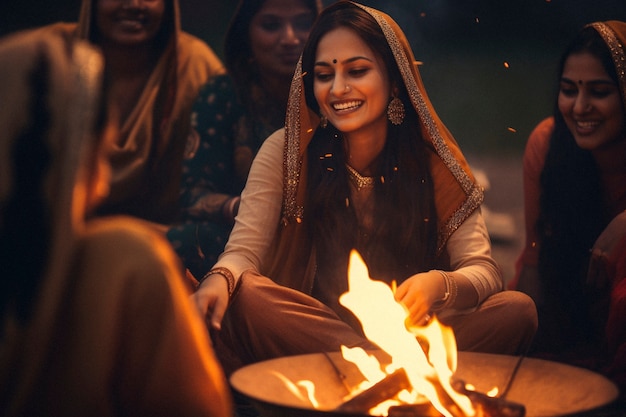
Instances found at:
x=286 y=302
x=259 y=213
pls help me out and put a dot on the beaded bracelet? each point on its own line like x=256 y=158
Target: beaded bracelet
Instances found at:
x=450 y=295
x=225 y=272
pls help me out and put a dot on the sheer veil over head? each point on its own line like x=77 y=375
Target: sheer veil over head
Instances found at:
x=457 y=194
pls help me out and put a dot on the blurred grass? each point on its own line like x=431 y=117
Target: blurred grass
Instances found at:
x=488 y=107
x=463 y=45
x=478 y=99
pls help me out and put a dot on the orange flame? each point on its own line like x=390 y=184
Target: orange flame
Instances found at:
x=383 y=320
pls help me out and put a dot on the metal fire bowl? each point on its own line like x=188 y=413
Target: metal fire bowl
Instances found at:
x=545 y=388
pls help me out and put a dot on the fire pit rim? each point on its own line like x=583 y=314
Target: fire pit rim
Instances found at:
x=465 y=358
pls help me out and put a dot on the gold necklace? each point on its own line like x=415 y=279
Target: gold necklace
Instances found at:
x=359 y=180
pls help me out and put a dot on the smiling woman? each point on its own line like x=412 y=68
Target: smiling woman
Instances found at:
x=353 y=93
x=277 y=33
x=591 y=103
x=391 y=184
x=129 y=22
x=574 y=260
x=132 y=34
x=232 y=117
x=153 y=72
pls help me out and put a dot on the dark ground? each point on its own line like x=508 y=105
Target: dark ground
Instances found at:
x=504 y=197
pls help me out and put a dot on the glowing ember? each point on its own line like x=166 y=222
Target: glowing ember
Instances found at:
x=383 y=320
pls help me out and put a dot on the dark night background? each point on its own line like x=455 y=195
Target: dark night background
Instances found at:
x=463 y=45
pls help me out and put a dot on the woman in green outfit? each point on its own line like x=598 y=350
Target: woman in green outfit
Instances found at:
x=231 y=118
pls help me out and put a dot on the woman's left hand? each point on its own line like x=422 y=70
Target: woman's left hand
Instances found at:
x=419 y=292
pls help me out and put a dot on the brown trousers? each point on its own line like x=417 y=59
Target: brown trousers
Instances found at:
x=266 y=320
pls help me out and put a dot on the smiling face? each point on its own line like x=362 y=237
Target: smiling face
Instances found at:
x=351 y=84
x=129 y=22
x=590 y=102
x=277 y=33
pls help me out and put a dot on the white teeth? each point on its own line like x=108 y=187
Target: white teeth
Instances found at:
x=586 y=124
x=347 y=105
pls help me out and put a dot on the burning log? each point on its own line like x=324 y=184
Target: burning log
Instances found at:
x=490 y=406
x=397 y=381
x=383 y=390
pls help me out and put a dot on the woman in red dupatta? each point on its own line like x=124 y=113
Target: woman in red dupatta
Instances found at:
x=573 y=263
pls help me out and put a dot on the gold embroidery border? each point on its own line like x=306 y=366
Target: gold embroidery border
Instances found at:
x=617 y=52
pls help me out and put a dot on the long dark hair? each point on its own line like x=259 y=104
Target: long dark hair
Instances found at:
x=404 y=238
x=237 y=48
x=572 y=213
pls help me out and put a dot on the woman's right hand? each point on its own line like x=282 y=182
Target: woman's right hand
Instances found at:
x=419 y=292
x=211 y=298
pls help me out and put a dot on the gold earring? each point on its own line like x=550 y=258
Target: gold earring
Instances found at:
x=323 y=121
x=395 y=111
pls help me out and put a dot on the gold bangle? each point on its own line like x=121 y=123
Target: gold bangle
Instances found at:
x=454 y=290
x=450 y=294
x=446 y=295
x=225 y=272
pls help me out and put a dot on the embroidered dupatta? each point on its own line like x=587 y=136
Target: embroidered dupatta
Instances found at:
x=614 y=34
x=457 y=195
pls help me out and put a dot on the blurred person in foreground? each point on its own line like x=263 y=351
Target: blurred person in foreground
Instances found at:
x=96 y=320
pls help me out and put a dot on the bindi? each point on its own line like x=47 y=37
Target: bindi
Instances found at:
x=334 y=61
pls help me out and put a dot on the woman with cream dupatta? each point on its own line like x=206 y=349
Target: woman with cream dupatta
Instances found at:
x=96 y=320
x=153 y=73
x=379 y=172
